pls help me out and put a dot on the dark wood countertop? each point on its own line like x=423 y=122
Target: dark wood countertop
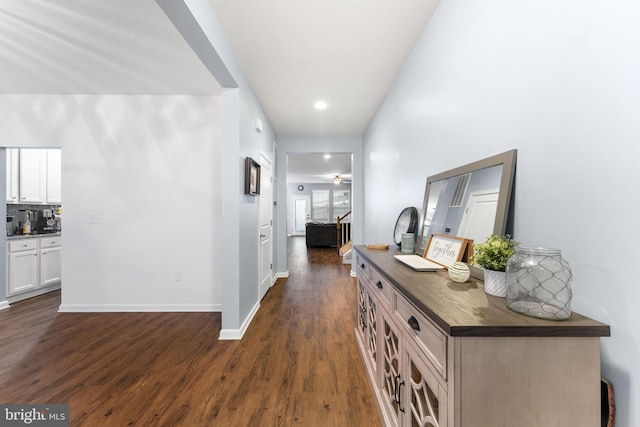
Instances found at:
x=464 y=309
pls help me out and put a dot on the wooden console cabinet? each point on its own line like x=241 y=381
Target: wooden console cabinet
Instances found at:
x=440 y=353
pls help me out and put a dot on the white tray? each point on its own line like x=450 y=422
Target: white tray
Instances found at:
x=418 y=263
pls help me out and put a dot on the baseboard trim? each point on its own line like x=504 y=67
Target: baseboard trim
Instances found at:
x=282 y=275
x=33 y=293
x=138 y=308
x=352 y=273
x=4 y=304
x=237 y=334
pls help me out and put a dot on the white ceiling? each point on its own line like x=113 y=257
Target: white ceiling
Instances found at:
x=96 y=47
x=294 y=52
x=315 y=168
x=346 y=52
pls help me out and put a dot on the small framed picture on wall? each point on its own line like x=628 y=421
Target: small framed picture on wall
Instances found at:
x=251 y=177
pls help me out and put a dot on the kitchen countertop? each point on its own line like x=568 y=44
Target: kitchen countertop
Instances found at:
x=32 y=236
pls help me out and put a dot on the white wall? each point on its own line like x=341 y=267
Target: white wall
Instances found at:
x=145 y=166
x=130 y=157
x=238 y=263
x=559 y=82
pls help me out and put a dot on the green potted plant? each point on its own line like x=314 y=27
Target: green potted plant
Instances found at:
x=492 y=256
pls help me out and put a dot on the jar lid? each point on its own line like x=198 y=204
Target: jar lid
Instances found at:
x=530 y=250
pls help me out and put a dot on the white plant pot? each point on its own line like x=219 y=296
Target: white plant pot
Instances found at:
x=495 y=283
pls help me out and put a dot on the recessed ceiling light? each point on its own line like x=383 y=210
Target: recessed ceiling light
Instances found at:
x=327 y=156
x=320 y=105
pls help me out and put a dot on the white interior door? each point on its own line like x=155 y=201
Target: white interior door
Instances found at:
x=266 y=225
x=479 y=216
x=299 y=214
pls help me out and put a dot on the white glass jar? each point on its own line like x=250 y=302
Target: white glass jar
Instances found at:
x=539 y=283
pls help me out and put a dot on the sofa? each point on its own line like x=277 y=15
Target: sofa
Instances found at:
x=321 y=235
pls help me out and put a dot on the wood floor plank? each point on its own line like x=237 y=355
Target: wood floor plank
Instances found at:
x=296 y=365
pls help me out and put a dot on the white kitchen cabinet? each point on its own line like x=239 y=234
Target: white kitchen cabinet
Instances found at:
x=33 y=175
x=50 y=260
x=54 y=176
x=23 y=265
x=12 y=175
x=34 y=266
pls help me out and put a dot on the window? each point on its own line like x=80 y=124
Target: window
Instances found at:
x=320 y=205
x=461 y=189
x=341 y=203
x=327 y=205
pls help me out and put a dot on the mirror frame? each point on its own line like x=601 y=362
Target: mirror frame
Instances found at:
x=508 y=162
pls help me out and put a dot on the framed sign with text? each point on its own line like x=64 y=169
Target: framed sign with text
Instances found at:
x=445 y=250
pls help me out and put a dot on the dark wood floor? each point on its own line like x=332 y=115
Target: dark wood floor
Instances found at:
x=296 y=365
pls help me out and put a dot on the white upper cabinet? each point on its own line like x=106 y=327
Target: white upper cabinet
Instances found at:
x=54 y=176
x=12 y=175
x=34 y=175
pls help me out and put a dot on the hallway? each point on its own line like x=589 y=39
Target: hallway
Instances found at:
x=297 y=364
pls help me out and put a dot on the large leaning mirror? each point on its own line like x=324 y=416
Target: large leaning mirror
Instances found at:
x=470 y=201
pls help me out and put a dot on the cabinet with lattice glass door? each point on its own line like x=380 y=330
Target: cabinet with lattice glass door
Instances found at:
x=413 y=394
x=368 y=324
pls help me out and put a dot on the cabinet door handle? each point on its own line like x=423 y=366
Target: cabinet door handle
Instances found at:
x=396 y=394
x=413 y=322
x=400 y=395
x=379 y=284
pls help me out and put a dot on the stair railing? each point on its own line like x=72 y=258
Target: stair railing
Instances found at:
x=343 y=226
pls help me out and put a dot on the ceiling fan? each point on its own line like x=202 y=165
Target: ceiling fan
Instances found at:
x=342 y=179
